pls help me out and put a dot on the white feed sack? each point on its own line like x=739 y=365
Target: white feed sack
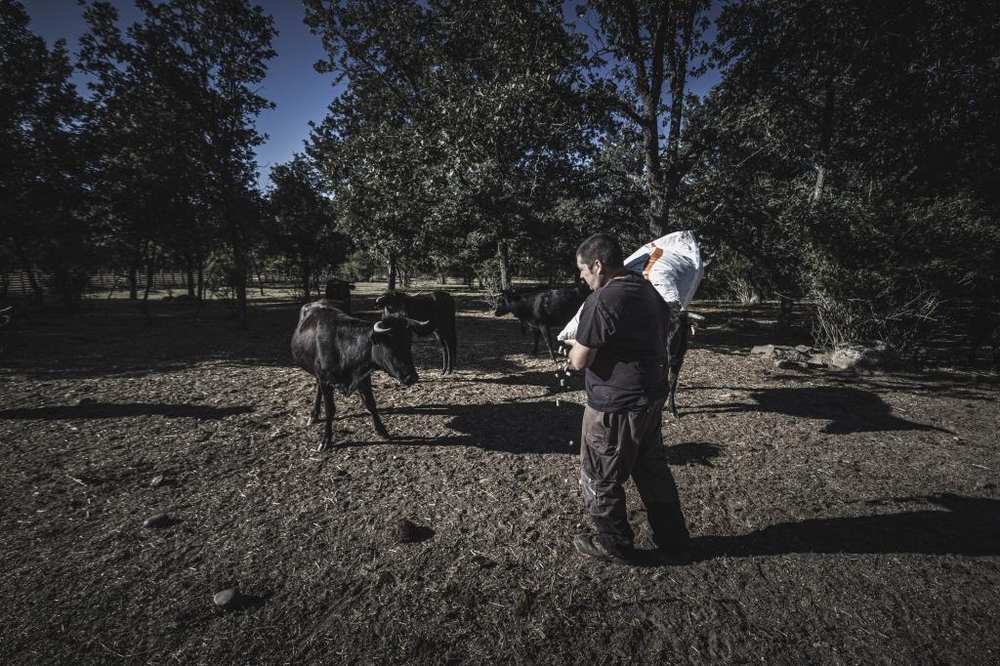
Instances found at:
x=671 y=263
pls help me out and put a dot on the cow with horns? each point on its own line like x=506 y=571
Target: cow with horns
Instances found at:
x=342 y=352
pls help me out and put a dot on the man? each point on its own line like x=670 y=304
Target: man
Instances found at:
x=621 y=342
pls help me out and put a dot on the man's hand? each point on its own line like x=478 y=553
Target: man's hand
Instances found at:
x=563 y=350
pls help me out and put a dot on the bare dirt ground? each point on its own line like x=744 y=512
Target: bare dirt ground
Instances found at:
x=837 y=517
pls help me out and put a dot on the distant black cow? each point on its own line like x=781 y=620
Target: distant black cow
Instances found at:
x=342 y=352
x=984 y=328
x=437 y=307
x=679 y=330
x=339 y=291
x=546 y=312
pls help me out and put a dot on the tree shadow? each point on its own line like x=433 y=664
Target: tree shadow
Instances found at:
x=848 y=409
x=968 y=526
x=100 y=410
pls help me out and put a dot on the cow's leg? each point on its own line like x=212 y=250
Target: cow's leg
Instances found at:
x=676 y=350
x=368 y=399
x=331 y=409
x=672 y=373
x=537 y=334
x=444 y=352
x=452 y=349
x=314 y=414
x=547 y=332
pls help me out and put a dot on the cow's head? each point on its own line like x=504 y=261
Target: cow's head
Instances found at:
x=392 y=304
x=392 y=346
x=504 y=299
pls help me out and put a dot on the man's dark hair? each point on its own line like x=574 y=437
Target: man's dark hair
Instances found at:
x=601 y=246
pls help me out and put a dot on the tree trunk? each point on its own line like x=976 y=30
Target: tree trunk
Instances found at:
x=133 y=282
x=392 y=272
x=825 y=141
x=307 y=278
x=144 y=304
x=239 y=277
x=504 y=262
x=189 y=278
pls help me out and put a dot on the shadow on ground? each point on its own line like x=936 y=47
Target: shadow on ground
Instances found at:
x=100 y=410
x=848 y=409
x=967 y=526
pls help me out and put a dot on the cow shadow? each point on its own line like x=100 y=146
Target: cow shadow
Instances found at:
x=102 y=410
x=967 y=526
x=515 y=427
x=848 y=410
x=539 y=427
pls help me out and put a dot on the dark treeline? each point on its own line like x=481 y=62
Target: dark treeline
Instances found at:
x=847 y=158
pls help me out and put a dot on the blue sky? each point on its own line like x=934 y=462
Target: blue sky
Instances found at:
x=292 y=84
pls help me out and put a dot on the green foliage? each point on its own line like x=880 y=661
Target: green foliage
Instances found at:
x=43 y=218
x=851 y=162
x=460 y=126
x=302 y=226
x=177 y=178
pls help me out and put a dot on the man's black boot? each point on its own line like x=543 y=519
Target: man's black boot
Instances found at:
x=591 y=546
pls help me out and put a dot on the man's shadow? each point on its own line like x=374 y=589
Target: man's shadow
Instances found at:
x=967 y=526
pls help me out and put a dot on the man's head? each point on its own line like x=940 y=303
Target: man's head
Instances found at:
x=598 y=258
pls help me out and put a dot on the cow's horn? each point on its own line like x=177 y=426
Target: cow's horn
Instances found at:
x=379 y=328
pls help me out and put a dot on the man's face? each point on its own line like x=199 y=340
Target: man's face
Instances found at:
x=590 y=274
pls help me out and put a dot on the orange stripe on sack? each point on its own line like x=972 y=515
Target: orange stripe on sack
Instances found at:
x=656 y=254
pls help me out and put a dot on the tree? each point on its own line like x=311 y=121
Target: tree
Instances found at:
x=850 y=141
x=649 y=49
x=42 y=216
x=304 y=221
x=460 y=124
x=177 y=176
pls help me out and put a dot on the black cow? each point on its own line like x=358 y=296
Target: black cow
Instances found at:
x=437 y=307
x=341 y=351
x=546 y=312
x=339 y=291
x=680 y=329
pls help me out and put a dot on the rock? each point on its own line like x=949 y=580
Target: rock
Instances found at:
x=780 y=352
x=875 y=355
x=522 y=601
x=156 y=481
x=786 y=364
x=225 y=598
x=159 y=520
x=406 y=532
x=804 y=349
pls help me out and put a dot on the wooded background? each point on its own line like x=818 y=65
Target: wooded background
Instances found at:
x=847 y=159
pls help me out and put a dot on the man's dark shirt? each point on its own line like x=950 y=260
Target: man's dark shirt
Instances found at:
x=627 y=322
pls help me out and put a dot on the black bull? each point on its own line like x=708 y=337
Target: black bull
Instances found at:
x=436 y=307
x=342 y=352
